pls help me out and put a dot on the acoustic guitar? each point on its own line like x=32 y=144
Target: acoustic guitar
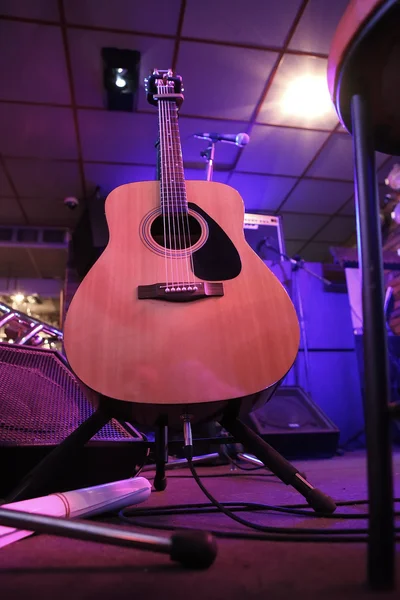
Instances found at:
x=178 y=310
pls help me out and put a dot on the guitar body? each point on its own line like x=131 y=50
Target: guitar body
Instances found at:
x=162 y=352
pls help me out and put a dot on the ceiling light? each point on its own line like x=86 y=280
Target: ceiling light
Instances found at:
x=121 y=78
x=18 y=297
x=120 y=81
x=307 y=96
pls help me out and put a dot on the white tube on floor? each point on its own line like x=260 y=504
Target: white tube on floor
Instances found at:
x=78 y=503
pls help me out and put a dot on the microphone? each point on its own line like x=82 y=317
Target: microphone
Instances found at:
x=240 y=139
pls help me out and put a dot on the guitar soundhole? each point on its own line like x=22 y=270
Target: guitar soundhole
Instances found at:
x=177 y=232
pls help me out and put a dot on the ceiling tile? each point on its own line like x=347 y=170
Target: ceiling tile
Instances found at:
x=118 y=136
x=87 y=66
x=317 y=26
x=5 y=188
x=38 y=131
x=153 y=16
x=292 y=247
x=336 y=159
x=45 y=179
x=261 y=192
x=290 y=69
x=301 y=227
x=341 y=129
x=349 y=208
x=10 y=212
x=317 y=252
x=263 y=23
x=45 y=10
x=220 y=81
x=280 y=151
x=50 y=212
x=130 y=137
x=109 y=177
x=337 y=231
x=318 y=196
x=192 y=147
x=32 y=63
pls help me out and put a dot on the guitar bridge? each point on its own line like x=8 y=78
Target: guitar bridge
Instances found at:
x=180 y=292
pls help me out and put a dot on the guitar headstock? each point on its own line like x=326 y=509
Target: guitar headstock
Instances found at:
x=164 y=85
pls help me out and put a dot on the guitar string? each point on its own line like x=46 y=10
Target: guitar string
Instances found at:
x=170 y=195
x=174 y=194
x=166 y=207
x=185 y=221
x=176 y=155
x=185 y=217
x=171 y=200
x=177 y=190
x=162 y=183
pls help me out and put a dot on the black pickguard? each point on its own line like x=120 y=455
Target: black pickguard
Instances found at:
x=218 y=259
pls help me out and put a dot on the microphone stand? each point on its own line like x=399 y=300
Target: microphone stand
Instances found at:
x=298 y=263
x=209 y=154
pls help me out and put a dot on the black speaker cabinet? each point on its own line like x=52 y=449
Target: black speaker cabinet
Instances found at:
x=41 y=403
x=294 y=425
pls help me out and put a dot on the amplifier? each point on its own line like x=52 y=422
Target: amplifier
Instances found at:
x=294 y=425
x=41 y=403
x=265 y=235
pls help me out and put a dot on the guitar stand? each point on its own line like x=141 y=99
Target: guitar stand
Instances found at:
x=278 y=465
x=32 y=483
x=160 y=457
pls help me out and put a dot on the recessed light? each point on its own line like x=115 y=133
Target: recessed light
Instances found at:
x=121 y=78
x=307 y=96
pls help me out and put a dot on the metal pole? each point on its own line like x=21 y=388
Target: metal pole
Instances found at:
x=299 y=304
x=209 y=155
x=193 y=549
x=381 y=539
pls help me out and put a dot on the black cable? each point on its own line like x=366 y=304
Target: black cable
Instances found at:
x=204 y=508
x=232 y=474
x=256 y=526
x=271 y=534
x=268 y=533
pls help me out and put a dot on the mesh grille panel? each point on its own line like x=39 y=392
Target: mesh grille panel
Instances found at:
x=41 y=401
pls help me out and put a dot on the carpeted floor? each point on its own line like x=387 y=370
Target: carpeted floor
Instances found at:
x=48 y=567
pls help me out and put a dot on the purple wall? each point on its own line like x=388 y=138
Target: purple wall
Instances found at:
x=334 y=378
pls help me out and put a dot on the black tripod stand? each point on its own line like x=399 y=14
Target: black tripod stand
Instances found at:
x=107 y=409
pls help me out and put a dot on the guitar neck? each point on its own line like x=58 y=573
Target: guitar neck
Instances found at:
x=172 y=178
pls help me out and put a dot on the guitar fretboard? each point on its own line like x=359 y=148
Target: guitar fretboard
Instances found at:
x=172 y=181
